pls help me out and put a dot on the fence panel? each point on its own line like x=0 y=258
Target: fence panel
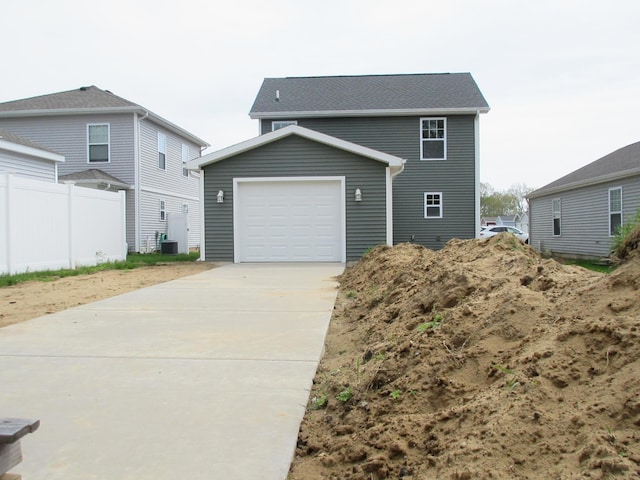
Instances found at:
x=47 y=226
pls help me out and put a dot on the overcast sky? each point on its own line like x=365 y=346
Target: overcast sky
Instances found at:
x=562 y=77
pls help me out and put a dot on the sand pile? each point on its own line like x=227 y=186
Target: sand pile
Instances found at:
x=480 y=360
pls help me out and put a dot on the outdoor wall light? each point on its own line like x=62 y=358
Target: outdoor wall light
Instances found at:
x=220 y=196
x=358 y=195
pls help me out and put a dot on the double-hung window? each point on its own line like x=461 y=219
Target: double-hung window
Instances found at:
x=433 y=205
x=433 y=139
x=162 y=151
x=98 y=143
x=615 y=210
x=556 y=215
x=278 y=124
x=185 y=159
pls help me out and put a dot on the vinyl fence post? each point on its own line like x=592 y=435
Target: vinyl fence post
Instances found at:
x=70 y=223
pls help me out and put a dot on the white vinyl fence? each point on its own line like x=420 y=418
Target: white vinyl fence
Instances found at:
x=49 y=226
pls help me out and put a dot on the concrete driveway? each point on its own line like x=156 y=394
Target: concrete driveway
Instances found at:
x=205 y=377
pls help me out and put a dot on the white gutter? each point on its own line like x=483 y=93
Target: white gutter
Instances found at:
x=137 y=180
x=369 y=113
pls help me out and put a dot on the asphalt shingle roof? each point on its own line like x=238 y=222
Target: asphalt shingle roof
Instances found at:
x=368 y=93
x=622 y=161
x=13 y=138
x=83 y=97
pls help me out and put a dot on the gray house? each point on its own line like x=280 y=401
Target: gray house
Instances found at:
x=344 y=164
x=111 y=143
x=577 y=215
x=25 y=158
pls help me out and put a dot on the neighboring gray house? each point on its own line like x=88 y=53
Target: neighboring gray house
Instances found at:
x=344 y=164
x=578 y=215
x=114 y=144
x=25 y=158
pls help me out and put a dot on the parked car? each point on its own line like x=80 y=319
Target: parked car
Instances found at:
x=492 y=230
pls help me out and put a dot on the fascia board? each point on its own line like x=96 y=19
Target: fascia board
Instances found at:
x=369 y=113
x=260 y=140
x=106 y=111
x=30 y=151
x=586 y=183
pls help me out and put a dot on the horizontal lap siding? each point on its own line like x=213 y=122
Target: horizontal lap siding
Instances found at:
x=67 y=135
x=27 y=166
x=584 y=218
x=169 y=184
x=454 y=177
x=298 y=157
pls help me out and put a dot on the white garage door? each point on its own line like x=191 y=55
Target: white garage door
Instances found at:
x=288 y=221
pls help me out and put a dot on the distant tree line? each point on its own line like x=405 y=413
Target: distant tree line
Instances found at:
x=511 y=202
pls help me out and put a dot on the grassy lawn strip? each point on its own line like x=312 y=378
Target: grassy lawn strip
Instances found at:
x=134 y=260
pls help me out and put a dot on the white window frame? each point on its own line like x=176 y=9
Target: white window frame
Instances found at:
x=162 y=151
x=428 y=206
x=612 y=212
x=556 y=214
x=89 y=144
x=185 y=159
x=443 y=139
x=163 y=210
x=278 y=124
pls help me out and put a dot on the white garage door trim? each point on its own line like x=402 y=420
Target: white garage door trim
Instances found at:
x=237 y=253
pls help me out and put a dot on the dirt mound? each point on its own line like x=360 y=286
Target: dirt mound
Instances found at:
x=481 y=360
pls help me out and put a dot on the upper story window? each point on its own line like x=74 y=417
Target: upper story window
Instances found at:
x=185 y=159
x=557 y=216
x=162 y=151
x=98 y=143
x=278 y=124
x=433 y=139
x=432 y=205
x=615 y=210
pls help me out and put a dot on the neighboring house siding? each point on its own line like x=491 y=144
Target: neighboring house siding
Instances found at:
x=67 y=135
x=26 y=166
x=169 y=184
x=298 y=157
x=584 y=219
x=454 y=177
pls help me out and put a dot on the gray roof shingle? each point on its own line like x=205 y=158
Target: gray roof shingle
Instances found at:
x=624 y=161
x=374 y=94
x=18 y=140
x=84 y=97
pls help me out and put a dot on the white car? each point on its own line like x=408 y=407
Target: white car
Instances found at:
x=492 y=230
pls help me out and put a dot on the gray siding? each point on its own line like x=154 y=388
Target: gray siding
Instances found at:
x=169 y=184
x=295 y=157
x=584 y=219
x=454 y=177
x=67 y=135
x=27 y=166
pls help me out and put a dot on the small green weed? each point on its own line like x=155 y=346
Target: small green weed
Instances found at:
x=512 y=382
x=395 y=395
x=345 y=395
x=319 y=402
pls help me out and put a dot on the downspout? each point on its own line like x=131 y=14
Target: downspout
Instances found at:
x=137 y=180
x=390 y=177
x=476 y=133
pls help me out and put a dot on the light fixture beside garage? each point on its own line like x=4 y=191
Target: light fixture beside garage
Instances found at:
x=220 y=196
x=358 y=195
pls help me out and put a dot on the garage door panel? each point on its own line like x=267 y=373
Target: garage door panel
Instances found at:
x=289 y=221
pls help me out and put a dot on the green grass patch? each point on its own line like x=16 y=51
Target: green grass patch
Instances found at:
x=591 y=265
x=134 y=260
